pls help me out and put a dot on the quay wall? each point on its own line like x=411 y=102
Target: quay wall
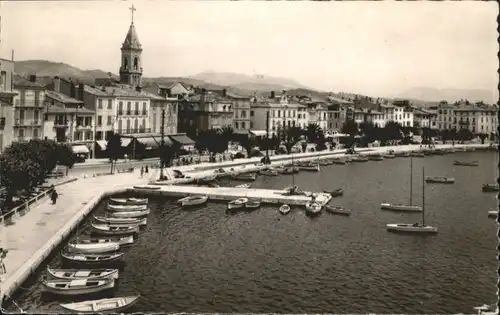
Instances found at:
x=31 y=265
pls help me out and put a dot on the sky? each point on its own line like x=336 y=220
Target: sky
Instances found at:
x=373 y=48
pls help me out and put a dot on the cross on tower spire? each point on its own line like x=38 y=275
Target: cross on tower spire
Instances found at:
x=132 y=9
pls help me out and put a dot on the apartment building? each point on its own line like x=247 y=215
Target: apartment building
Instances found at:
x=6 y=100
x=403 y=113
x=423 y=118
x=27 y=109
x=445 y=117
x=476 y=119
x=165 y=100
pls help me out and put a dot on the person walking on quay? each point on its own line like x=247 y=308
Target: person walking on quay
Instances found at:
x=54 y=195
x=146 y=170
x=142 y=172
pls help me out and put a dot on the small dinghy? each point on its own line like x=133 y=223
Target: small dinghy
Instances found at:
x=147 y=187
x=440 y=180
x=103 y=306
x=337 y=209
x=107 y=229
x=493 y=213
x=400 y=207
x=237 y=204
x=417 y=154
x=92 y=258
x=206 y=180
x=376 y=157
x=122 y=241
x=122 y=208
x=411 y=228
x=128 y=214
x=124 y=221
x=88 y=274
x=335 y=193
x=471 y=163
x=77 y=287
x=313 y=208
x=359 y=158
x=339 y=161
x=192 y=201
x=245 y=177
x=243 y=186
x=310 y=168
x=129 y=201
x=285 y=209
x=388 y=156
x=269 y=172
x=487 y=309
x=325 y=163
x=287 y=171
x=252 y=204
x=92 y=248
x=490 y=188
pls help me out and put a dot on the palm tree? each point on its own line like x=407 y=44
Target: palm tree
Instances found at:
x=313 y=131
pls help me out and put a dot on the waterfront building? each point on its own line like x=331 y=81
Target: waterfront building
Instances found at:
x=6 y=100
x=335 y=118
x=423 y=118
x=27 y=109
x=445 y=116
x=403 y=113
x=105 y=106
x=242 y=111
x=476 y=119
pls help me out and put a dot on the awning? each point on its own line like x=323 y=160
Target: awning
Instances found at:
x=153 y=142
x=126 y=142
x=258 y=133
x=182 y=139
x=77 y=149
x=103 y=144
x=241 y=132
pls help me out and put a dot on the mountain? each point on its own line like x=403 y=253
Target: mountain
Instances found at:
x=256 y=83
x=450 y=95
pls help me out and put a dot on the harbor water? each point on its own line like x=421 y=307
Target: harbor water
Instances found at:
x=204 y=260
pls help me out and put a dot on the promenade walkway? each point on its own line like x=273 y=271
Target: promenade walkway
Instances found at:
x=36 y=227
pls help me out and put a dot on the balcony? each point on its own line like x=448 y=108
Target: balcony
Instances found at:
x=28 y=104
x=129 y=112
x=144 y=112
x=136 y=112
x=27 y=123
x=120 y=112
x=84 y=127
x=60 y=124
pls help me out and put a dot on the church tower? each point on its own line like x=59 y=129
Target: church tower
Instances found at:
x=131 y=62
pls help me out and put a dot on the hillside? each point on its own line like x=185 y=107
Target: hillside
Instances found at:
x=450 y=95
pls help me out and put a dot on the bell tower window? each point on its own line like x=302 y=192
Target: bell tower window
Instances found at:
x=125 y=62
x=136 y=63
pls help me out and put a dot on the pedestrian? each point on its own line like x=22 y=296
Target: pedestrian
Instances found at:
x=146 y=170
x=142 y=171
x=54 y=195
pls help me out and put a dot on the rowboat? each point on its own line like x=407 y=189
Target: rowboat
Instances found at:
x=128 y=221
x=285 y=209
x=337 y=209
x=376 y=157
x=400 y=207
x=417 y=154
x=490 y=188
x=359 y=158
x=388 y=156
x=129 y=201
x=252 y=204
x=269 y=172
x=310 y=168
x=147 y=187
x=486 y=309
x=243 y=186
x=107 y=229
x=194 y=201
x=92 y=258
x=129 y=214
x=412 y=228
x=90 y=274
x=471 y=163
x=92 y=248
x=245 y=177
x=111 y=207
x=236 y=204
x=103 y=306
x=339 y=161
x=440 y=180
x=493 y=213
x=325 y=162
x=78 y=286
x=335 y=193
x=121 y=240
x=313 y=208
x=207 y=179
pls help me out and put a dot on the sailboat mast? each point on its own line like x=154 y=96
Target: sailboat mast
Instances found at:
x=411 y=180
x=423 y=196
x=293 y=172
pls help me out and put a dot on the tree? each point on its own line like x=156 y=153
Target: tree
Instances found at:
x=393 y=130
x=227 y=133
x=247 y=144
x=464 y=134
x=483 y=137
x=368 y=130
x=313 y=131
x=350 y=127
x=64 y=155
x=114 y=149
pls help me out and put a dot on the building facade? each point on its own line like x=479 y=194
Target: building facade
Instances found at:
x=28 y=109
x=6 y=101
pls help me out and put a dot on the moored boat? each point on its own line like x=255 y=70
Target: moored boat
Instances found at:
x=112 y=305
x=417 y=154
x=128 y=214
x=285 y=209
x=243 y=186
x=245 y=177
x=376 y=157
x=90 y=274
x=107 y=229
x=147 y=187
x=92 y=258
x=471 y=163
x=337 y=209
x=490 y=188
x=92 y=248
x=335 y=193
x=313 y=208
x=440 y=180
x=400 y=207
x=269 y=172
x=413 y=228
x=493 y=213
x=122 y=241
x=487 y=309
x=129 y=221
x=206 y=179
x=123 y=208
x=252 y=204
x=340 y=161
x=388 y=156
x=192 y=201
x=325 y=162
x=237 y=204
x=129 y=201
x=310 y=168
x=78 y=286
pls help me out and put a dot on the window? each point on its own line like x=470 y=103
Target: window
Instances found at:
x=3 y=80
x=99 y=104
x=23 y=97
x=128 y=125
x=99 y=120
x=129 y=106
x=120 y=108
x=37 y=98
x=120 y=126
x=243 y=125
x=143 y=124
x=109 y=121
x=35 y=133
x=36 y=116
x=98 y=135
x=110 y=104
x=136 y=125
x=243 y=114
x=252 y=113
x=21 y=133
x=136 y=108
x=251 y=125
x=236 y=125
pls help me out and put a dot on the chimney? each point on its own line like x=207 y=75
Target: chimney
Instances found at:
x=138 y=89
x=273 y=95
x=57 y=84
x=80 y=91
x=33 y=78
x=224 y=92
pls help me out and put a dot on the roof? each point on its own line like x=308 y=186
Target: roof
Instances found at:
x=124 y=90
x=96 y=91
x=182 y=139
x=131 y=40
x=69 y=110
x=62 y=98
x=20 y=81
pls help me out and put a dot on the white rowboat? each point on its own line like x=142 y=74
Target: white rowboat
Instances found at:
x=238 y=203
x=125 y=221
x=92 y=248
x=111 y=207
x=77 y=287
x=91 y=274
x=129 y=201
x=121 y=240
x=114 y=305
x=285 y=209
x=114 y=229
x=400 y=207
x=129 y=214
x=419 y=228
x=194 y=201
